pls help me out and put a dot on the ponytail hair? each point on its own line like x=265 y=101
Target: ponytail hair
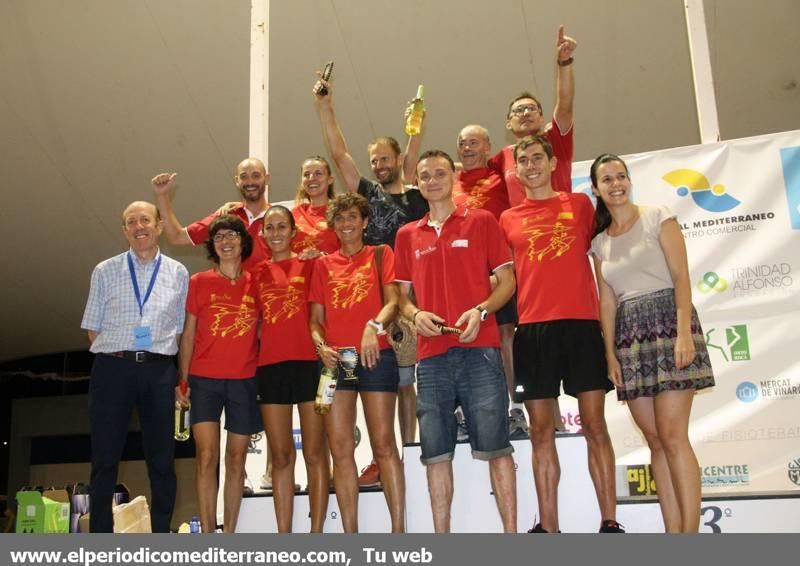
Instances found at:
x=602 y=217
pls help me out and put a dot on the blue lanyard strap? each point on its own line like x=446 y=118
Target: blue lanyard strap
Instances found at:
x=136 y=284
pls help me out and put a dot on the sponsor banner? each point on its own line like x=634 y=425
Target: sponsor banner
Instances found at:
x=738 y=205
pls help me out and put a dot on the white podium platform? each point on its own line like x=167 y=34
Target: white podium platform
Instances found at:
x=474 y=509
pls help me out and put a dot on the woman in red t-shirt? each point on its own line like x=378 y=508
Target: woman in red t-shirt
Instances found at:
x=314 y=237
x=353 y=298
x=218 y=353
x=288 y=372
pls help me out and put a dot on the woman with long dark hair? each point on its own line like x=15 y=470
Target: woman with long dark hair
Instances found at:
x=657 y=356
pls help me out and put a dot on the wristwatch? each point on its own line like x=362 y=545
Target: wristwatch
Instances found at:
x=377 y=326
x=483 y=311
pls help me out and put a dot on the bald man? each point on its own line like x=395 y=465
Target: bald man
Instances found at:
x=251 y=181
x=134 y=317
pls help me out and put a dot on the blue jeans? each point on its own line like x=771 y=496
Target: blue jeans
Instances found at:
x=474 y=379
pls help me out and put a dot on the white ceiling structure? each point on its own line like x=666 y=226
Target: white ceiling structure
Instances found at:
x=99 y=95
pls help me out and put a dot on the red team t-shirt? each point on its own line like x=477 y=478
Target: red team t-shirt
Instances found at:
x=503 y=163
x=450 y=272
x=282 y=295
x=349 y=290
x=481 y=188
x=550 y=240
x=312 y=229
x=198 y=233
x=225 y=341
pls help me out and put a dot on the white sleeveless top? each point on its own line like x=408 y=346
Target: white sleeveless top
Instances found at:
x=633 y=263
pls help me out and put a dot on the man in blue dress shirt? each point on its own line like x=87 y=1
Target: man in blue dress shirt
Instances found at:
x=134 y=318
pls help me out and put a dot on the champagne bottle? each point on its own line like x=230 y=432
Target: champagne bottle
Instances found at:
x=414 y=120
x=326 y=390
x=182 y=426
x=321 y=89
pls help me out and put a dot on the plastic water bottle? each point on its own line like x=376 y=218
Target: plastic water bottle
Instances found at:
x=194 y=526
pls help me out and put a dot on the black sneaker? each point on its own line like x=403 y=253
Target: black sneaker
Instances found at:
x=610 y=526
x=538 y=528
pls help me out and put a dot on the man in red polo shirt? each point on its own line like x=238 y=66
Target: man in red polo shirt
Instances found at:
x=447 y=257
x=525 y=117
x=251 y=181
x=558 y=337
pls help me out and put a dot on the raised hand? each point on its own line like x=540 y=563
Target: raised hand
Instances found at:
x=318 y=86
x=565 y=45
x=163 y=183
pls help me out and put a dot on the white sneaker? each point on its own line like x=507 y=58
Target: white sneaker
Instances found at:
x=266 y=483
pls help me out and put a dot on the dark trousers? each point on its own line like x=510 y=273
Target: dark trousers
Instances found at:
x=117 y=386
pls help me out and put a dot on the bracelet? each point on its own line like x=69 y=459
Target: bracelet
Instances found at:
x=566 y=62
x=414 y=316
x=320 y=346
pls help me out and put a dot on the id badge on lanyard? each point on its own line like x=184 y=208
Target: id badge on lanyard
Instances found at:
x=142 y=337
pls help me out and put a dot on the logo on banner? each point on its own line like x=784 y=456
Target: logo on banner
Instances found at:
x=794 y=471
x=712 y=282
x=640 y=480
x=779 y=388
x=790 y=160
x=763 y=279
x=736 y=347
x=731 y=475
x=747 y=392
x=571 y=421
x=711 y=198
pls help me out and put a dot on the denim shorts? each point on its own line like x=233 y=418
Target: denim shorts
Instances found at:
x=474 y=379
x=383 y=378
x=237 y=396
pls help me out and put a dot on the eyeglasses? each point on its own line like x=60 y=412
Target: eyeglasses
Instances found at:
x=524 y=109
x=230 y=236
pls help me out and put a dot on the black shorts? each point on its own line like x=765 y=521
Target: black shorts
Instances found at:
x=209 y=396
x=508 y=312
x=547 y=353
x=287 y=383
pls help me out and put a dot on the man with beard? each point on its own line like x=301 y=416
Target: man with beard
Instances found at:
x=134 y=318
x=392 y=204
x=251 y=181
x=525 y=117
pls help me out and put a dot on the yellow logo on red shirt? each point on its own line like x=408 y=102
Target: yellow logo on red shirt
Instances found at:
x=280 y=302
x=477 y=196
x=308 y=240
x=232 y=319
x=558 y=243
x=347 y=292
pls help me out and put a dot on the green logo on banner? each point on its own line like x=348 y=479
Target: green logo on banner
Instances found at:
x=712 y=282
x=737 y=343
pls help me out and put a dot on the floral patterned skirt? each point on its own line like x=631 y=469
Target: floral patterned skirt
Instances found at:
x=646 y=331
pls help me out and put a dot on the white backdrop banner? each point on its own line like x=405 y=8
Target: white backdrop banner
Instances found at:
x=738 y=203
